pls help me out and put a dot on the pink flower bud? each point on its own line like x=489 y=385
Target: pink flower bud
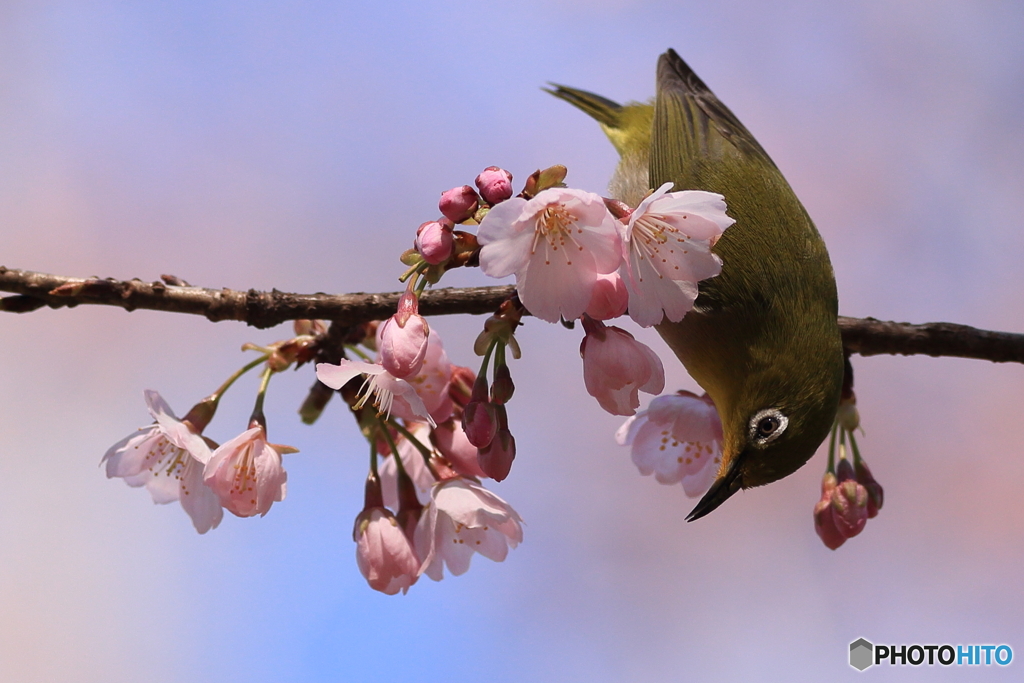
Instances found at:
x=480 y=423
x=874 y=489
x=609 y=298
x=480 y=417
x=461 y=388
x=824 y=522
x=502 y=388
x=403 y=339
x=496 y=459
x=459 y=203
x=850 y=508
x=434 y=241
x=495 y=184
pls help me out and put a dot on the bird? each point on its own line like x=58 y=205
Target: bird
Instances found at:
x=763 y=338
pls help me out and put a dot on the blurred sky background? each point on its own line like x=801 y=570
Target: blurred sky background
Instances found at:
x=298 y=145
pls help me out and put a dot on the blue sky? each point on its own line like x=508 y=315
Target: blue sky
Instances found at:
x=298 y=146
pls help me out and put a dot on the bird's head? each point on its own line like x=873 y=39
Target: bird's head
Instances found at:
x=773 y=420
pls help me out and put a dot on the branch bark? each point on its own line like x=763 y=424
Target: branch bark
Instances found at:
x=863 y=336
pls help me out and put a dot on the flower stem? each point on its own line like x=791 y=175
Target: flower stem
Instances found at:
x=257 y=411
x=856 y=451
x=215 y=396
x=394 y=447
x=418 y=445
x=359 y=352
x=487 y=359
x=373 y=460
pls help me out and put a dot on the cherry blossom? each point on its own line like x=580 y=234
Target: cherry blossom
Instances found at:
x=666 y=248
x=556 y=244
x=247 y=474
x=167 y=457
x=616 y=367
x=454 y=445
x=678 y=438
x=412 y=461
x=462 y=518
x=402 y=339
x=430 y=384
x=383 y=552
x=387 y=391
x=610 y=298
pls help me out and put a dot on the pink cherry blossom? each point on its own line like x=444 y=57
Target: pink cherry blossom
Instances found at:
x=247 y=474
x=462 y=518
x=616 y=367
x=453 y=444
x=168 y=458
x=383 y=552
x=431 y=384
x=556 y=244
x=412 y=461
x=402 y=339
x=386 y=391
x=666 y=248
x=610 y=298
x=678 y=438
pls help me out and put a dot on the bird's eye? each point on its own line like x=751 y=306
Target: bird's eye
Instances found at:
x=767 y=425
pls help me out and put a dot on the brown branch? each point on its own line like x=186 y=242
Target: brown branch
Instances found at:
x=864 y=336
x=253 y=307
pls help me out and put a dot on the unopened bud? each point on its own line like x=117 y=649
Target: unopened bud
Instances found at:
x=460 y=389
x=459 y=203
x=434 y=241
x=502 y=387
x=403 y=339
x=495 y=184
x=496 y=459
x=875 y=493
x=480 y=422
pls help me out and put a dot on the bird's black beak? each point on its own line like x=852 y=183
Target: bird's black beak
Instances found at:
x=721 y=490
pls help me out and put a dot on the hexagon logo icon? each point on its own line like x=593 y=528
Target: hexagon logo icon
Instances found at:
x=861 y=654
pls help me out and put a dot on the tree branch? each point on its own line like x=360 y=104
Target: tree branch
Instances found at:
x=864 y=336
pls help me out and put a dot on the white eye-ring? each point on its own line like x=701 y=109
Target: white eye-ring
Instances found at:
x=766 y=426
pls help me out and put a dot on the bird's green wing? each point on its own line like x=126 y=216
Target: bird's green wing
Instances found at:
x=692 y=125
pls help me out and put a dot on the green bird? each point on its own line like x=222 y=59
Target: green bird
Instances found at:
x=762 y=339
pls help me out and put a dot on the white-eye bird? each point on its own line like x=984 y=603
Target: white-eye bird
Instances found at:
x=763 y=338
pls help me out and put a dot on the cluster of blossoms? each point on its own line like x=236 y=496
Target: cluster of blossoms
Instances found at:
x=174 y=461
x=437 y=430
x=850 y=496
